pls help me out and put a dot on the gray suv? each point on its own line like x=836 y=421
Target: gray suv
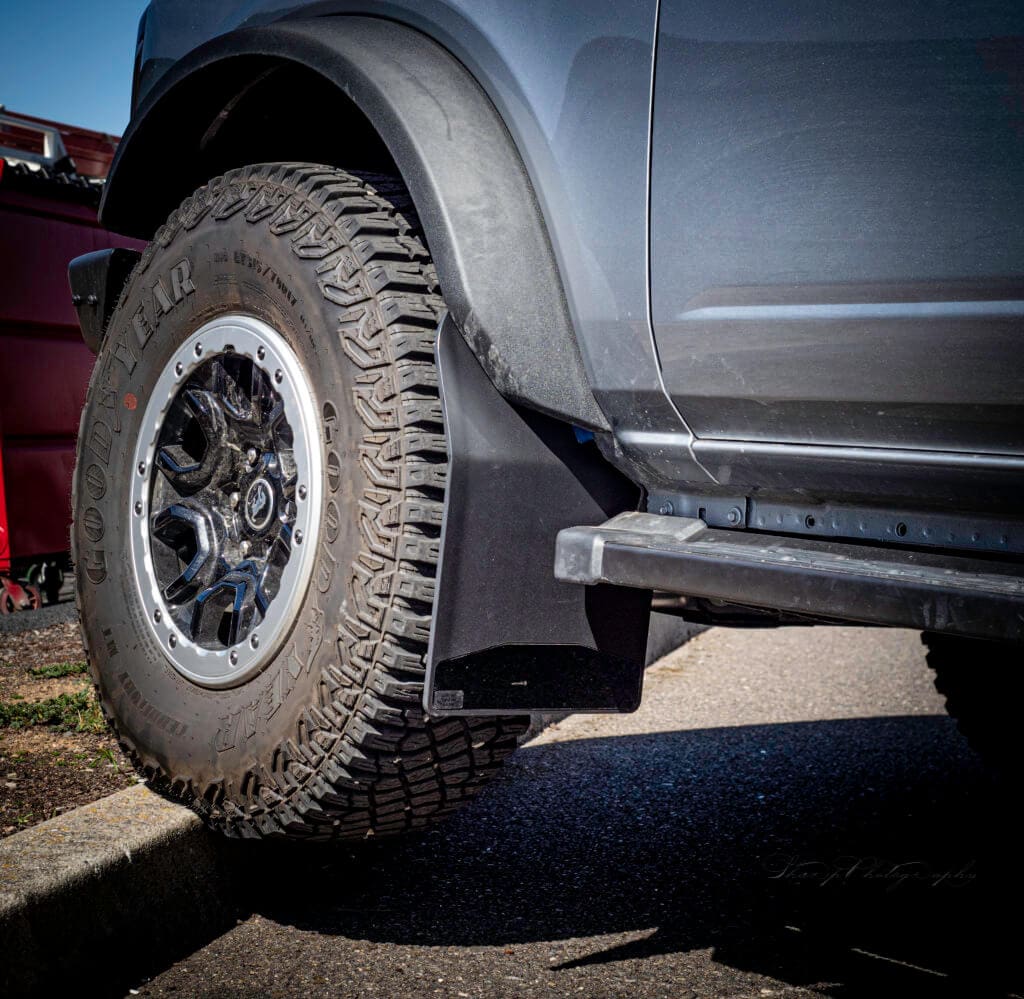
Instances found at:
x=466 y=331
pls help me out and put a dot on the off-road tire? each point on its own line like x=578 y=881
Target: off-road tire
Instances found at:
x=983 y=686
x=329 y=741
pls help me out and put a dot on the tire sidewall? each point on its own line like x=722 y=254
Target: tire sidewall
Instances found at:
x=192 y=274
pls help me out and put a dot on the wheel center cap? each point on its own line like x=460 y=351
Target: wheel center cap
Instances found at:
x=259 y=504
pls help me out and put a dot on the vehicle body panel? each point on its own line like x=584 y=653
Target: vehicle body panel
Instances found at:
x=837 y=226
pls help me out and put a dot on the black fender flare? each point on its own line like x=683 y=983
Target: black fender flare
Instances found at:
x=476 y=203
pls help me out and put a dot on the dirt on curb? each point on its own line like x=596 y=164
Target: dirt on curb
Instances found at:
x=55 y=750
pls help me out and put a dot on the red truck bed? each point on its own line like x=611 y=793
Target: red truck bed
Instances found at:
x=47 y=216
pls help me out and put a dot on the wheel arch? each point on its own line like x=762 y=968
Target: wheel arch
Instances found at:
x=366 y=93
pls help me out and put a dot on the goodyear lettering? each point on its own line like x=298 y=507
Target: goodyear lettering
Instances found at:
x=108 y=400
x=124 y=353
x=162 y=299
x=181 y=281
x=142 y=326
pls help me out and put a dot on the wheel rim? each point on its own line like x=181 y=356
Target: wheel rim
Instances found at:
x=225 y=503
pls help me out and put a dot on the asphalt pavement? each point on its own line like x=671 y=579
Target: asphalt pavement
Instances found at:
x=790 y=813
x=21 y=621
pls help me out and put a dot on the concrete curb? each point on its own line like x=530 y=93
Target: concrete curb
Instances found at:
x=105 y=892
x=108 y=893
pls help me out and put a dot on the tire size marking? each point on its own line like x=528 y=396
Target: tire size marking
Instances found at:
x=243 y=259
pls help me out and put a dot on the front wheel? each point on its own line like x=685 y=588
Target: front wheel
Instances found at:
x=258 y=498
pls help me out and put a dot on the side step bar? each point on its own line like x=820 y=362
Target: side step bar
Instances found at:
x=825 y=579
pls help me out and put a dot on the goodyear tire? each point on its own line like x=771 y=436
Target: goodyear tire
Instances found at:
x=257 y=499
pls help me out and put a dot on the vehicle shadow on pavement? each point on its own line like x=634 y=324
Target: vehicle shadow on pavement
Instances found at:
x=866 y=857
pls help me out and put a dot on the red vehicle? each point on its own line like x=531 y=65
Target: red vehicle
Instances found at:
x=51 y=177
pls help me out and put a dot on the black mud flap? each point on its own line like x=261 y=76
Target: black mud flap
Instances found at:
x=506 y=636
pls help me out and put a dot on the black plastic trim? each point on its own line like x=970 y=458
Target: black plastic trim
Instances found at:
x=97 y=280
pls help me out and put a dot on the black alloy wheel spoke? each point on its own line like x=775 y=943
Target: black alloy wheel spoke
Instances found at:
x=225 y=611
x=194 y=455
x=187 y=532
x=224 y=452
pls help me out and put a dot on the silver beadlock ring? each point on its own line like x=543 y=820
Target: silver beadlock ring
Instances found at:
x=231 y=336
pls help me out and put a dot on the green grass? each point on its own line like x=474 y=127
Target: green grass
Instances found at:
x=78 y=712
x=56 y=670
x=105 y=755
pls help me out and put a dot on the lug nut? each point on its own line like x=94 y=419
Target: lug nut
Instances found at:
x=179 y=368
x=157 y=615
x=279 y=376
x=233 y=657
x=261 y=352
x=142 y=468
x=199 y=350
x=172 y=641
x=138 y=509
x=255 y=641
x=298 y=537
x=302 y=492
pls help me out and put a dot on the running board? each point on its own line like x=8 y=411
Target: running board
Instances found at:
x=821 y=579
